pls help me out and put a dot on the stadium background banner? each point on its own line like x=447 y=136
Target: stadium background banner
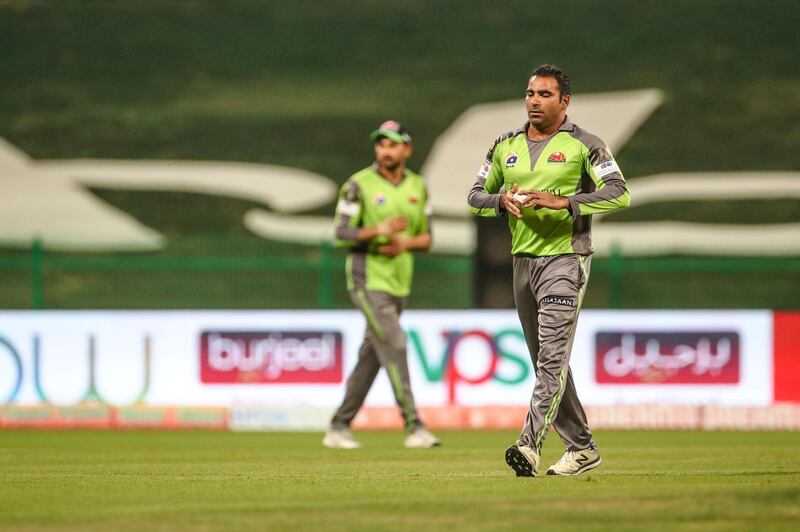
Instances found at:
x=286 y=369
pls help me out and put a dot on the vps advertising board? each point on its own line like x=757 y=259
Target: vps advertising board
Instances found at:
x=302 y=358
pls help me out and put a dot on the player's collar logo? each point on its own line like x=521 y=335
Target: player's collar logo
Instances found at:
x=511 y=159
x=379 y=199
x=557 y=157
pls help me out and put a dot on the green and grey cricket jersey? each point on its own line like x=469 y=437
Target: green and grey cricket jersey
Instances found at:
x=571 y=163
x=365 y=200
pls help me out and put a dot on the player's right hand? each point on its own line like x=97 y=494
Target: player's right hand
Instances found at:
x=509 y=203
x=391 y=225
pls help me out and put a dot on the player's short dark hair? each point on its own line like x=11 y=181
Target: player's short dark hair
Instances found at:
x=552 y=71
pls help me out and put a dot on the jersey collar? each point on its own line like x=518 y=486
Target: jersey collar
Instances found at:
x=566 y=125
x=405 y=175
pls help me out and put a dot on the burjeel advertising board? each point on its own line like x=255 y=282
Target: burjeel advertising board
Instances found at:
x=302 y=358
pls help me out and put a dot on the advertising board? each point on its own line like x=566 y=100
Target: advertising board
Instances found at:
x=302 y=358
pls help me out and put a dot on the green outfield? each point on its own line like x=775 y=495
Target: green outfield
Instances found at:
x=287 y=481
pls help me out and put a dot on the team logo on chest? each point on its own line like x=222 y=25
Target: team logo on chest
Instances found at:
x=511 y=159
x=413 y=199
x=557 y=157
x=379 y=199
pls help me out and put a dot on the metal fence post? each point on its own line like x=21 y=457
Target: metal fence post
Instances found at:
x=326 y=275
x=616 y=267
x=37 y=275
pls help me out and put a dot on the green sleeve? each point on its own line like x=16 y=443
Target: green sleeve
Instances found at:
x=484 y=197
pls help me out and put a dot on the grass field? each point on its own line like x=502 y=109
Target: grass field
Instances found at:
x=287 y=481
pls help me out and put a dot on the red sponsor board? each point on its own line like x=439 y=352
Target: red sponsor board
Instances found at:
x=667 y=357
x=786 y=368
x=271 y=357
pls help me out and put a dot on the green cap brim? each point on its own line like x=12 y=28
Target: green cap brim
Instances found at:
x=391 y=135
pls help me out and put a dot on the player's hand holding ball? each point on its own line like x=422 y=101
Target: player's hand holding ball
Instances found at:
x=510 y=201
x=391 y=225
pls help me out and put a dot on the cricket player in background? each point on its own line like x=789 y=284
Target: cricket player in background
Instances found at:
x=383 y=215
x=555 y=175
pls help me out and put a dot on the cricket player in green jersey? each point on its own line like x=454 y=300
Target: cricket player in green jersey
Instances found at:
x=383 y=215
x=554 y=176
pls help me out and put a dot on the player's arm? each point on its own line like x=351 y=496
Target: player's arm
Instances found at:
x=423 y=232
x=348 y=221
x=485 y=198
x=611 y=191
x=399 y=244
x=421 y=240
x=388 y=227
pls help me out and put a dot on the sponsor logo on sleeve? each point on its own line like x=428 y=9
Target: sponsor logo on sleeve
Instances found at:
x=270 y=357
x=667 y=357
x=484 y=171
x=511 y=159
x=557 y=157
x=605 y=168
x=348 y=208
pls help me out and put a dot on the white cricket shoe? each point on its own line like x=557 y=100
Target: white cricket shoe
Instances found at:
x=576 y=462
x=340 y=439
x=523 y=460
x=421 y=438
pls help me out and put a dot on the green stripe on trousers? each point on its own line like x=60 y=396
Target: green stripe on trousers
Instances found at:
x=372 y=319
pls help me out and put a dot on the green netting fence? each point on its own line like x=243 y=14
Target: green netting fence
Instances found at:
x=316 y=280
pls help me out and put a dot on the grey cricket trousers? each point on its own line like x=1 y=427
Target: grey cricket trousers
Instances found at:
x=548 y=292
x=384 y=346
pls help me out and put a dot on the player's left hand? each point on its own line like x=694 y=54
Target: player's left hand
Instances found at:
x=394 y=248
x=540 y=199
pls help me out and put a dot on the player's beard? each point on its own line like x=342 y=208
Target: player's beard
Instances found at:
x=390 y=164
x=539 y=121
